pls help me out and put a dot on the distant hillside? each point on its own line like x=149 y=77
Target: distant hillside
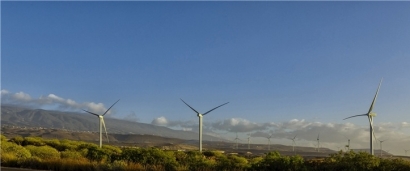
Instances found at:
x=25 y=117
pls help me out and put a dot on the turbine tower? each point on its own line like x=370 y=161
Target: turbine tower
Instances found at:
x=293 y=143
x=101 y=118
x=318 y=143
x=381 y=147
x=200 y=121
x=249 y=141
x=370 y=116
x=348 y=143
x=405 y=152
x=269 y=141
x=236 y=140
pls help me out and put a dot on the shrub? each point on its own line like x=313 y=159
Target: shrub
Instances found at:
x=43 y=152
x=11 y=149
x=18 y=140
x=149 y=157
x=3 y=138
x=36 y=141
x=70 y=155
x=274 y=161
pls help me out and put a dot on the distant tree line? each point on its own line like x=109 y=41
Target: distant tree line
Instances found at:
x=66 y=155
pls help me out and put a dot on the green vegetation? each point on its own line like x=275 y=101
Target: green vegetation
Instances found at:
x=66 y=155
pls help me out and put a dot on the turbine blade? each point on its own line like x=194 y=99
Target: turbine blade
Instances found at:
x=90 y=112
x=190 y=107
x=110 y=107
x=355 y=116
x=375 y=96
x=105 y=128
x=215 y=108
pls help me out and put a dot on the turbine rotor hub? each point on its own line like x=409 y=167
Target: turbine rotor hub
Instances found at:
x=200 y=115
x=372 y=114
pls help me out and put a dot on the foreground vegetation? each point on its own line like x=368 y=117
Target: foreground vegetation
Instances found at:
x=66 y=155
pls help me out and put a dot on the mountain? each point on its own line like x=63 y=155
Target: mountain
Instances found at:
x=26 y=117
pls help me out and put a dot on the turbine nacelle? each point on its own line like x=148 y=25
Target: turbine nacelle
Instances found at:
x=200 y=115
x=372 y=114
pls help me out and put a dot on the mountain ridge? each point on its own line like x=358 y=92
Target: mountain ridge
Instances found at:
x=26 y=117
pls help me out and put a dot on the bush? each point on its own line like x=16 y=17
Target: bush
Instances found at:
x=43 y=152
x=274 y=161
x=18 y=140
x=71 y=155
x=36 y=141
x=3 y=138
x=11 y=149
x=149 y=157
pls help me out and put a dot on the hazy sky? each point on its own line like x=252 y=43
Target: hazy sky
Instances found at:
x=288 y=68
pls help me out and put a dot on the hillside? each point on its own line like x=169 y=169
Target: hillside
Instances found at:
x=25 y=117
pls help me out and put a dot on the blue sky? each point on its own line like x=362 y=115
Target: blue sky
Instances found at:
x=277 y=63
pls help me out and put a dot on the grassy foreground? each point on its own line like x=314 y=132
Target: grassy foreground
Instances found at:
x=66 y=155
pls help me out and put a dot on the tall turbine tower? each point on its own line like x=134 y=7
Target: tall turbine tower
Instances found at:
x=318 y=143
x=370 y=116
x=293 y=143
x=348 y=143
x=101 y=118
x=200 y=121
x=236 y=140
x=381 y=147
x=249 y=141
x=405 y=152
x=269 y=141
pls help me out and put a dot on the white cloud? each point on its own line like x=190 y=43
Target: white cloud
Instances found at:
x=22 y=98
x=161 y=121
x=4 y=92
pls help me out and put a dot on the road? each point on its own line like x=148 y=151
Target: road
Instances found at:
x=17 y=169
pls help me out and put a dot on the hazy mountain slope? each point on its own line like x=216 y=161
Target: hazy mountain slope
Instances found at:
x=20 y=116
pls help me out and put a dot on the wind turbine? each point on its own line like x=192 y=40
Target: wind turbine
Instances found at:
x=293 y=143
x=370 y=116
x=405 y=152
x=269 y=141
x=200 y=121
x=348 y=143
x=101 y=117
x=236 y=140
x=318 y=143
x=381 y=147
x=249 y=141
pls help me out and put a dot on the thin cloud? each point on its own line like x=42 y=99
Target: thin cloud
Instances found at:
x=22 y=98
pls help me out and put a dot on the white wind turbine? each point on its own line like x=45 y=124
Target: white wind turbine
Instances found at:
x=348 y=143
x=318 y=143
x=293 y=143
x=249 y=141
x=200 y=121
x=381 y=147
x=236 y=140
x=101 y=118
x=370 y=116
x=269 y=141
